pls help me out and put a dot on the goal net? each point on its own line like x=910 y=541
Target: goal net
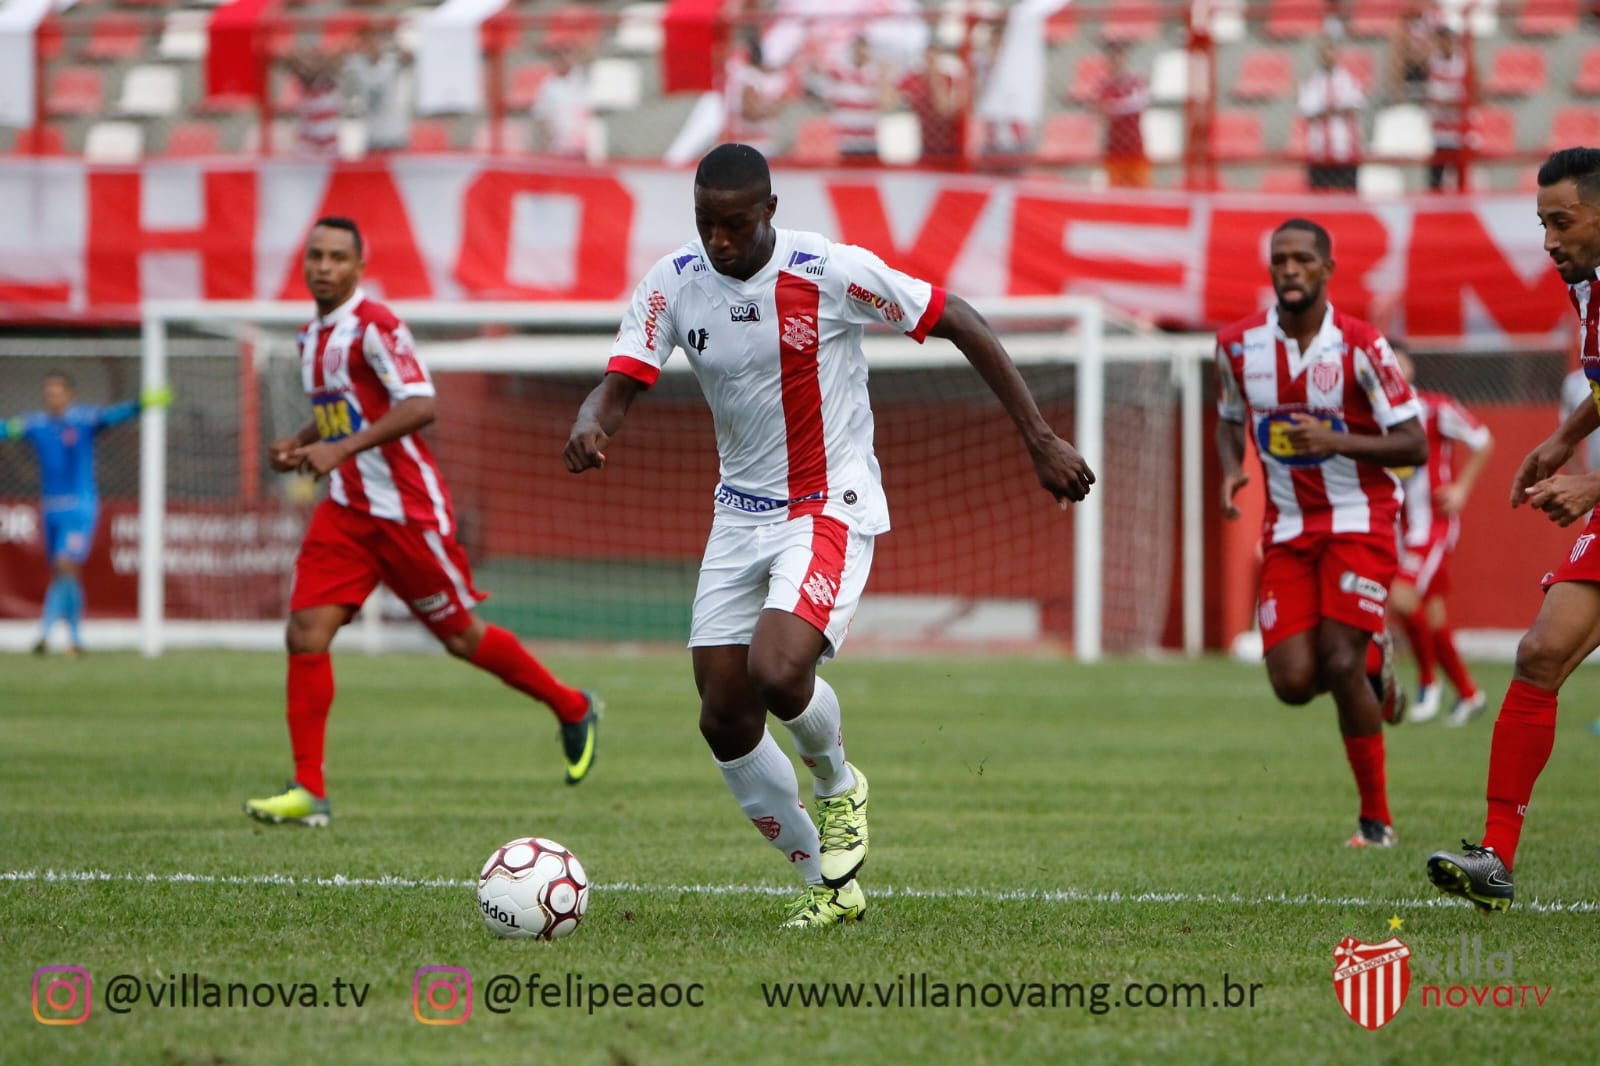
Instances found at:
x=198 y=535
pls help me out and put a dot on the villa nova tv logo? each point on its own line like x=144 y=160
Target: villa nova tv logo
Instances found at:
x=1372 y=981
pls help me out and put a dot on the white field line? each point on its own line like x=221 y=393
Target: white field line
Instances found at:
x=882 y=892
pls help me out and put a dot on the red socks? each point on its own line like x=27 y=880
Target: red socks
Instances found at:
x=310 y=690
x=1524 y=736
x=503 y=655
x=1444 y=649
x=1366 y=762
x=1423 y=641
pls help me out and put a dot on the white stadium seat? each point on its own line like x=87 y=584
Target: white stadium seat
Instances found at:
x=1162 y=129
x=114 y=142
x=150 y=90
x=614 y=84
x=183 y=35
x=639 y=28
x=1402 y=132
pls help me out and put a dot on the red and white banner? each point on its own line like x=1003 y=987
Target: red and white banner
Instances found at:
x=88 y=242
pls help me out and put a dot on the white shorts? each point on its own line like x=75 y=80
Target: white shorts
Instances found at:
x=813 y=567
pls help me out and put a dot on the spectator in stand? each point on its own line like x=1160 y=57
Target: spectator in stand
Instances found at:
x=320 y=106
x=376 y=75
x=856 y=86
x=1331 y=101
x=753 y=96
x=1410 y=48
x=561 y=111
x=1122 y=97
x=1451 y=89
x=939 y=95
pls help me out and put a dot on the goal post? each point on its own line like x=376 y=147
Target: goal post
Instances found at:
x=1086 y=366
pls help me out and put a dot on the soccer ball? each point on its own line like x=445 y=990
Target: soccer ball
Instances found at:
x=533 y=887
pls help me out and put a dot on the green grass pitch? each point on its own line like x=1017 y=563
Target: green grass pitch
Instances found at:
x=1036 y=824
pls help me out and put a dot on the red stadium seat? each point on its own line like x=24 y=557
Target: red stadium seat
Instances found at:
x=1361 y=65
x=1086 y=79
x=525 y=82
x=1496 y=128
x=1236 y=135
x=1061 y=26
x=1284 y=180
x=1518 y=70
x=188 y=139
x=1547 y=18
x=1131 y=20
x=1070 y=137
x=76 y=91
x=1265 y=74
x=1287 y=19
x=1375 y=18
x=815 y=141
x=430 y=135
x=340 y=32
x=1574 y=124
x=1587 y=83
x=40 y=140
x=116 y=36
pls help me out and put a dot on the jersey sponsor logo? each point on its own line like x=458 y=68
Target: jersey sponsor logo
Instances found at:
x=1327 y=377
x=745 y=313
x=1580 y=546
x=1350 y=581
x=693 y=263
x=890 y=310
x=1272 y=435
x=811 y=264
x=1395 y=389
x=850 y=496
x=800 y=331
x=698 y=339
x=335 y=418
x=769 y=826
x=652 y=319
x=820 y=589
x=1268 y=613
x=430 y=603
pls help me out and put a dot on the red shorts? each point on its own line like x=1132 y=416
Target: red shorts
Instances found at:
x=1342 y=576
x=1424 y=566
x=1582 y=563
x=346 y=553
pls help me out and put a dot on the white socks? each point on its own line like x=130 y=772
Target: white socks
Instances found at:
x=768 y=792
x=819 y=743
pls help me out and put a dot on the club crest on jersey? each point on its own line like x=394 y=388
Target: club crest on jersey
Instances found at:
x=819 y=589
x=800 y=331
x=745 y=312
x=698 y=338
x=1272 y=435
x=1328 y=376
x=691 y=262
x=811 y=264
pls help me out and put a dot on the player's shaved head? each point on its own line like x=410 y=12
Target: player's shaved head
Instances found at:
x=734 y=168
x=1324 y=243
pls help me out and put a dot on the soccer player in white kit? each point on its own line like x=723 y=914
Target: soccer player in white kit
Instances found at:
x=771 y=321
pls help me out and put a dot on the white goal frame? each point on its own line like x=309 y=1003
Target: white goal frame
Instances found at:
x=1087 y=346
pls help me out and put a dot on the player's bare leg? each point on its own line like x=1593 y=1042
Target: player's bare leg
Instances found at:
x=783 y=657
x=1342 y=652
x=499 y=652
x=1292 y=668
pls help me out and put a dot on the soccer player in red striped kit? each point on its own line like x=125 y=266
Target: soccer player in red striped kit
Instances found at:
x=387 y=519
x=1331 y=414
x=1567 y=627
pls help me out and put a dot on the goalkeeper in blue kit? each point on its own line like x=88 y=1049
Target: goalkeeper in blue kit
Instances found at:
x=62 y=436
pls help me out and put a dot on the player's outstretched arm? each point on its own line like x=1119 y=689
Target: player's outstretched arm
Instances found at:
x=1554 y=453
x=598 y=421
x=1062 y=471
x=1230 y=450
x=324 y=456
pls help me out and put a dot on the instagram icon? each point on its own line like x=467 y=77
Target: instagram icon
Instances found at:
x=61 y=995
x=441 y=995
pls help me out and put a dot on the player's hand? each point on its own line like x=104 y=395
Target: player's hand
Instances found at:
x=319 y=459
x=585 y=448
x=1565 y=498
x=157 y=397
x=1450 y=499
x=280 y=455
x=1541 y=464
x=1309 y=436
x=1231 y=484
x=1061 y=470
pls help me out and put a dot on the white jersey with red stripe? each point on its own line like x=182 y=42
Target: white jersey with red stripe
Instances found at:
x=355 y=364
x=1585 y=297
x=1447 y=424
x=779 y=360
x=1350 y=380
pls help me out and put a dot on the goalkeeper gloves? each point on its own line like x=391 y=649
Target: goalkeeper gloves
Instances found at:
x=157 y=397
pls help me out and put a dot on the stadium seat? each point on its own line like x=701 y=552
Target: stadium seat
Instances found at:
x=189 y=139
x=1362 y=66
x=1587 y=83
x=1086 y=78
x=150 y=90
x=1169 y=76
x=639 y=29
x=1517 y=70
x=1236 y=135
x=1574 y=124
x=1378 y=181
x=340 y=32
x=1284 y=180
x=40 y=140
x=114 y=142
x=1061 y=26
x=115 y=36
x=1289 y=19
x=1547 y=18
x=615 y=84
x=76 y=91
x=1070 y=137
x=1265 y=74
x=899 y=138
x=815 y=142
x=430 y=135
x=525 y=82
x=1402 y=132
x=1162 y=129
x=1373 y=18
x=1131 y=20
x=184 y=36
x=1496 y=127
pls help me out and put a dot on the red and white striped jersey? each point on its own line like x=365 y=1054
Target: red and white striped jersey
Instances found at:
x=854 y=94
x=1447 y=93
x=779 y=360
x=1349 y=378
x=1447 y=423
x=1585 y=297
x=355 y=364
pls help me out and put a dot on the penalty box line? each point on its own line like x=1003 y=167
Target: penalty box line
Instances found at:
x=49 y=876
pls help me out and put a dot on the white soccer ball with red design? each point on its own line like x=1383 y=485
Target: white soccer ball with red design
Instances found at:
x=533 y=887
